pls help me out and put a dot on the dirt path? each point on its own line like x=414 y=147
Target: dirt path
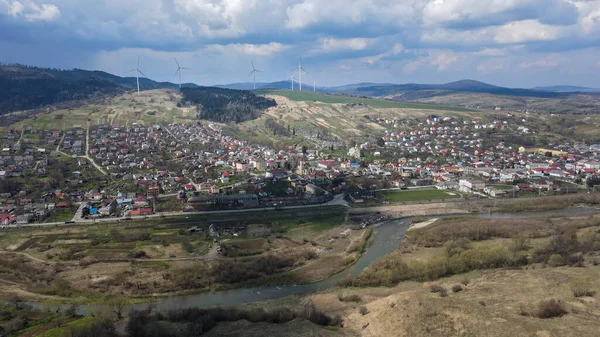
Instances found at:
x=46 y=327
x=29 y=256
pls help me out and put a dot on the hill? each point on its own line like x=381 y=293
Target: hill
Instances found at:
x=225 y=105
x=567 y=88
x=24 y=88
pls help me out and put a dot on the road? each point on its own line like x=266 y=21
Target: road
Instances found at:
x=87 y=151
x=338 y=200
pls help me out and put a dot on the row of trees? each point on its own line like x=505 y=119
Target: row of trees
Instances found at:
x=225 y=105
x=278 y=128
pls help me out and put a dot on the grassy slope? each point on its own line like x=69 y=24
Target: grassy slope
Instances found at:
x=373 y=103
x=400 y=196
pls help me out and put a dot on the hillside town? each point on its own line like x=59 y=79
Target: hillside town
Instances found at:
x=137 y=170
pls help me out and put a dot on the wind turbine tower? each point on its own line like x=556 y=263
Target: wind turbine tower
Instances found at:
x=314 y=86
x=292 y=80
x=137 y=77
x=300 y=70
x=253 y=72
x=179 y=71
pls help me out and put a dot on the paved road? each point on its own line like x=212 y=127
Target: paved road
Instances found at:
x=338 y=200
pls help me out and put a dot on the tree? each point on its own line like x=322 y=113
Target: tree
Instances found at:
x=15 y=299
x=72 y=310
x=304 y=149
x=380 y=142
x=117 y=306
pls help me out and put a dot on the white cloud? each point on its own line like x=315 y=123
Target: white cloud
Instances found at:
x=497 y=12
x=249 y=49
x=525 y=31
x=491 y=52
x=29 y=10
x=546 y=62
x=388 y=13
x=443 y=60
x=330 y=45
x=396 y=50
x=440 y=61
x=492 y=66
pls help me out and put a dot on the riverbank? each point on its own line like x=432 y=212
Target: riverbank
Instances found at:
x=422 y=224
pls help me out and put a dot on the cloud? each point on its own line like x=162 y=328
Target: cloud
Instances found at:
x=492 y=66
x=424 y=39
x=480 y=13
x=396 y=50
x=330 y=45
x=528 y=30
x=546 y=62
x=440 y=61
x=368 y=14
x=29 y=10
x=249 y=49
x=443 y=60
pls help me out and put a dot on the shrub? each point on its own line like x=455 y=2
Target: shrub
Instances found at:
x=556 y=260
x=465 y=282
x=457 y=288
x=363 y=310
x=550 y=308
x=349 y=298
x=436 y=288
x=582 y=288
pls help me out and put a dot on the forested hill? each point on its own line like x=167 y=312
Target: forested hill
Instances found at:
x=24 y=87
x=225 y=105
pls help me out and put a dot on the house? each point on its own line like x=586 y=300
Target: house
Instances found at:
x=7 y=219
x=24 y=219
x=493 y=191
x=446 y=185
x=361 y=196
x=140 y=200
x=469 y=185
x=225 y=177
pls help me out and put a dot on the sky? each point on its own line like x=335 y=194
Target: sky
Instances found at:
x=514 y=43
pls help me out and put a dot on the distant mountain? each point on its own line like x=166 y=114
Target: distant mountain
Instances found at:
x=24 y=87
x=567 y=88
x=241 y=86
x=272 y=85
x=412 y=91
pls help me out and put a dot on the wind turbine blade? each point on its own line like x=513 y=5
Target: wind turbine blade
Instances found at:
x=258 y=71
x=184 y=68
x=252 y=65
x=303 y=70
x=252 y=72
x=177 y=63
x=142 y=73
x=176 y=71
x=127 y=72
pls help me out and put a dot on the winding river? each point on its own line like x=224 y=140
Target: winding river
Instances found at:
x=386 y=238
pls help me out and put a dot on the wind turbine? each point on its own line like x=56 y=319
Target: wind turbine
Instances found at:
x=315 y=86
x=253 y=72
x=179 y=72
x=137 y=77
x=300 y=70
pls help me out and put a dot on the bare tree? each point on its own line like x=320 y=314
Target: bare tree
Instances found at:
x=117 y=306
x=16 y=300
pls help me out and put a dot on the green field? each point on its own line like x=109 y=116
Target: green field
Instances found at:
x=373 y=103
x=298 y=229
x=416 y=195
